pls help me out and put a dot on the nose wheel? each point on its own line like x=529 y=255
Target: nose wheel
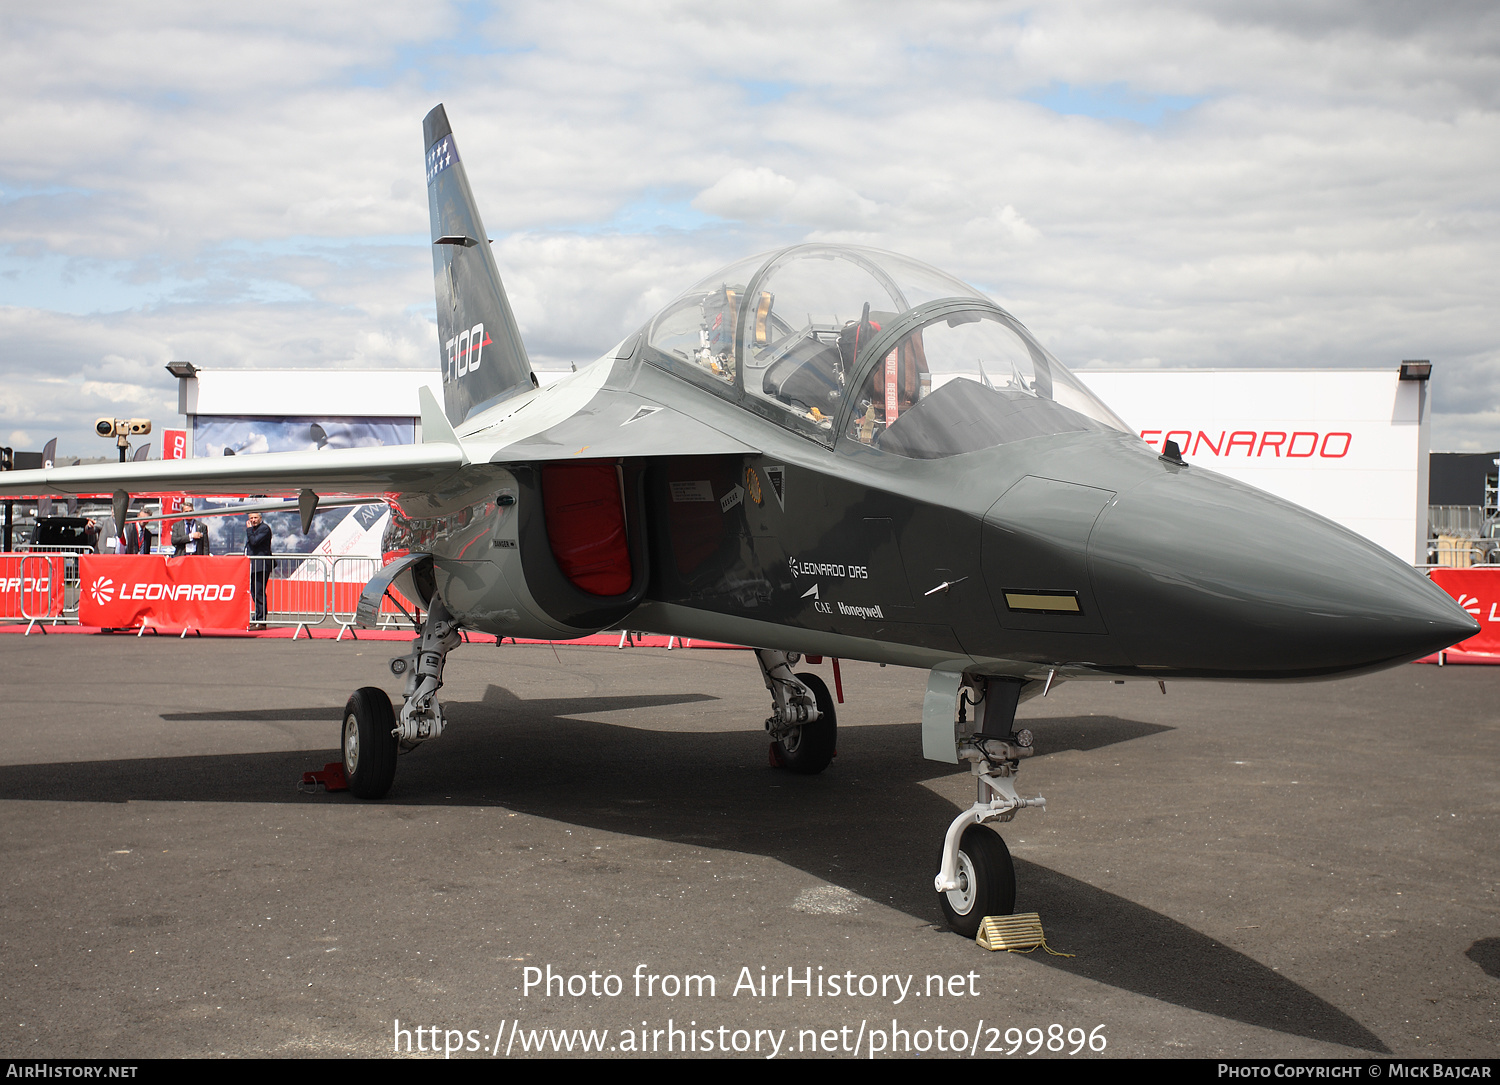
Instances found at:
x=369 y=743
x=976 y=877
x=986 y=880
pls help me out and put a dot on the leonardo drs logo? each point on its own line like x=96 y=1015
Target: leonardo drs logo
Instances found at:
x=102 y=590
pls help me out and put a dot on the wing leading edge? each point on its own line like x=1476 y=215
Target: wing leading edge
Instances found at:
x=559 y=423
x=389 y=468
x=343 y=471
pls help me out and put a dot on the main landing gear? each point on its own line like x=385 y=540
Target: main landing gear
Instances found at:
x=976 y=878
x=803 y=725
x=373 y=733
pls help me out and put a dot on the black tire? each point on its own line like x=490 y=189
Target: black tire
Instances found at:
x=368 y=742
x=988 y=882
x=808 y=749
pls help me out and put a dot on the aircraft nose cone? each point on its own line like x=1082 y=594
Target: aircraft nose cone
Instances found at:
x=1204 y=575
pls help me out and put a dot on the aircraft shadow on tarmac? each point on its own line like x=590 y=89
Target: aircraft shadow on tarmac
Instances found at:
x=1486 y=954
x=546 y=706
x=867 y=824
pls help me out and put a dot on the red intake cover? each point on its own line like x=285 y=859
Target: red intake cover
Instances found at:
x=586 y=526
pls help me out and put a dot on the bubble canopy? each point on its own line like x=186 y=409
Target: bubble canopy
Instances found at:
x=839 y=341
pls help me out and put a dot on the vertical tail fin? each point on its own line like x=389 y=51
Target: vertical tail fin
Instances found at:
x=483 y=358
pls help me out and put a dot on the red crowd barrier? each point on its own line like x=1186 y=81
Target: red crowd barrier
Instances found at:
x=122 y=591
x=31 y=586
x=298 y=597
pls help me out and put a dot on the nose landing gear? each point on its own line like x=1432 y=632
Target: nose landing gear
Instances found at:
x=372 y=732
x=976 y=877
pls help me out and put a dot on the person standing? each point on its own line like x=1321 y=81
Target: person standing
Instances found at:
x=189 y=536
x=258 y=547
x=137 y=538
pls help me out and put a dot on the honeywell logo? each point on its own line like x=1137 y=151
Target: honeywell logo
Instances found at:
x=150 y=591
x=1253 y=444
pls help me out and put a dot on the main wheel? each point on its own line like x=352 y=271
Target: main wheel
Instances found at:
x=369 y=743
x=808 y=749
x=986 y=882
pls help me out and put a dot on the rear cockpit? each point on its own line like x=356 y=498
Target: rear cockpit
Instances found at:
x=836 y=341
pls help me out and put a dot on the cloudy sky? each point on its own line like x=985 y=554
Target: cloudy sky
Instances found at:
x=1153 y=184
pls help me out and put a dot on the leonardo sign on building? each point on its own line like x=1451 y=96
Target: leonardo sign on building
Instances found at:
x=1350 y=444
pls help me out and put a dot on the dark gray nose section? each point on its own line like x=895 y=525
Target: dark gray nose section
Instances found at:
x=1205 y=576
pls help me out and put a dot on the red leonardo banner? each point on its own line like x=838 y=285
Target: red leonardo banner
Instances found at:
x=120 y=591
x=1478 y=592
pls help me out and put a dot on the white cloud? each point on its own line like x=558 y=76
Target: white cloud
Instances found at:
x=763 y=194
x=748 y=194
x=1004 y=225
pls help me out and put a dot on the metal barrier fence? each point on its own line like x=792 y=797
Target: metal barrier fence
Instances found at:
x=350 y=575
x=41 y=589
x=308 y=591
x=34 y=589
x=298 y=590
x=30 y=588
x=70 y=583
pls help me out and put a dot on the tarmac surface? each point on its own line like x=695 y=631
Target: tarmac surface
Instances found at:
x=1238 y=870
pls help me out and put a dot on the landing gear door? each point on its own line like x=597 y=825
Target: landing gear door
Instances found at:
x=939 y=716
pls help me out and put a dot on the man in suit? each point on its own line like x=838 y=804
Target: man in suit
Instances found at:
x=258 y=547
x=189 y=536
x=137 y=539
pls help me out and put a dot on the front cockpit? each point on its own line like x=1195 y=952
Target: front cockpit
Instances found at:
x=838 y=342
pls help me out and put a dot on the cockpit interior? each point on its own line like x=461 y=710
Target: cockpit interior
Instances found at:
x=845 y=344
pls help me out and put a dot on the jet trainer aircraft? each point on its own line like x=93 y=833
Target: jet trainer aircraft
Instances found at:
x=823 y=450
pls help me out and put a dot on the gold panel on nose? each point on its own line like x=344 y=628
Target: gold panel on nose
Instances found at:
x=1043 y=602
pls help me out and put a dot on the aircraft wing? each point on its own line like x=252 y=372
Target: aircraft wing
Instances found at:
x=579 y=418
x=388 y=468
x=573 y=419
x=345 y=471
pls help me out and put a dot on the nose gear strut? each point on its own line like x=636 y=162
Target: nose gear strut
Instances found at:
x=421 y=715
x=976 y=877
x=995 y=762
